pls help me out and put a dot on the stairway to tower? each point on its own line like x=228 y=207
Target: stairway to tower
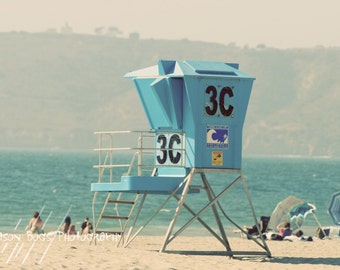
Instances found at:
x=118 y=212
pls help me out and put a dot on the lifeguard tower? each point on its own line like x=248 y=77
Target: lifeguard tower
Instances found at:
x=196 y=111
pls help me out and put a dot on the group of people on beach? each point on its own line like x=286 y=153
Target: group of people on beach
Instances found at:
x=283 y=231
x=286 y=233
x=36 y=225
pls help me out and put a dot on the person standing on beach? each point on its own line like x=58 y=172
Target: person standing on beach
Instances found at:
x=35 y=225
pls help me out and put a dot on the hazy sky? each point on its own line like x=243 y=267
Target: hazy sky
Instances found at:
x=280 y=24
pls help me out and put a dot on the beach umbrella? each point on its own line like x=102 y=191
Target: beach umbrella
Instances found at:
x=281 y=212
x=299 y=213
x=293 y=210
x=334 y=208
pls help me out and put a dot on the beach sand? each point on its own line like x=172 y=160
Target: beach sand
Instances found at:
x=184 y=252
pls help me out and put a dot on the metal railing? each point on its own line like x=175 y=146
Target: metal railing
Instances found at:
x=135 y=152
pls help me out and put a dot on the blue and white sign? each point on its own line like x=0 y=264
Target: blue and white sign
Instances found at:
x=169 y=149
x=217 y=136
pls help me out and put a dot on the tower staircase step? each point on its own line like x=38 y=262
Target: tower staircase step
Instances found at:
x=120 y=202
x=115 y=217
x=109 y=232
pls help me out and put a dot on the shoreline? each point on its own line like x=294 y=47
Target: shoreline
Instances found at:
x=185 y=252
x=194 y=231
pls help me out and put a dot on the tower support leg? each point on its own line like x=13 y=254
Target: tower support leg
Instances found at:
x=178 y=209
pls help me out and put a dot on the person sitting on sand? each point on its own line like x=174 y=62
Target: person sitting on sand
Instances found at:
x=72 y=230
x=284 y=231
x=84 y=225
x=88 y=229
x=36 y=224
x=66 y=225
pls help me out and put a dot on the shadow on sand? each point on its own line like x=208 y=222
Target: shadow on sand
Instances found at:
x=264 y=259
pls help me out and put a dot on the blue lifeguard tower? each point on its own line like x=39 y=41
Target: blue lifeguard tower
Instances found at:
x=196 y=111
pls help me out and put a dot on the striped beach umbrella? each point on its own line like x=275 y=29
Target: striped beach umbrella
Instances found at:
x=299 y=212
x=334 y=208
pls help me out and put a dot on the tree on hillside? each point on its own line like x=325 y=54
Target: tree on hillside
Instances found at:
x=113 y=31
x=134 y=36
x=51 y=31
x=66 y=29
x=99 y=30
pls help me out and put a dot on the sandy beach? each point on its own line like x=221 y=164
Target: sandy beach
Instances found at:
x=185 y=252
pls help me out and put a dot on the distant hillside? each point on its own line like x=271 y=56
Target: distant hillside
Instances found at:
x=56 y=90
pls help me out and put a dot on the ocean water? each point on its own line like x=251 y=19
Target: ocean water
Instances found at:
x=58 y=184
